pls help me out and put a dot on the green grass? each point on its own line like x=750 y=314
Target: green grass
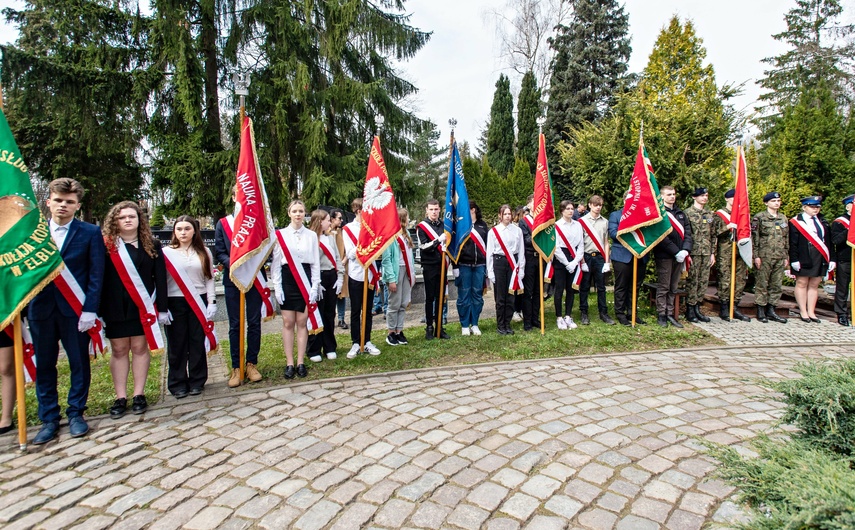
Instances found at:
x=101 y=392
x=489 y=347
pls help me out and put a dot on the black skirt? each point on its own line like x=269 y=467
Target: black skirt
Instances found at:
x=5 y=340
x=293 y=296
x=119 y=329
x=818 y=268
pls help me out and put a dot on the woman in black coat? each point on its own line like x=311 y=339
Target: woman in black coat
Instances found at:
x=126 y=225
x=810 y=259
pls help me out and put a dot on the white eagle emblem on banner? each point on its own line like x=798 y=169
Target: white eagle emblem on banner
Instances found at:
x=377 y=195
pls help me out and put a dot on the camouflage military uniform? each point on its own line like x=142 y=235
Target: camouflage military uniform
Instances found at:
x=770 y=236
x=699 y=271
x=722 y=263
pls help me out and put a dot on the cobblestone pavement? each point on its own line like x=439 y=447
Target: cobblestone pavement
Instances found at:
x=596 y=442
x=793 y=332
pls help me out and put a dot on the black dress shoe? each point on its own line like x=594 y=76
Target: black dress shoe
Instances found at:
x=77 y=427
x=816 y=320
x=429 y=334
x=140 y=404
x=662 y=321
x=443 y=334
x=623 y=320
x=842 y=320
x=585 y=320
x=48 y=432
x=120 y=406
x=674 y=322
x=301 y=370
x=527 y=328
x=639 y=321
x=502 y=331
x=289 y=371
x=196 y=390
x=8 y=428
x=607 y=319
x=509 y=331
x=804 y=319
x=180 y=394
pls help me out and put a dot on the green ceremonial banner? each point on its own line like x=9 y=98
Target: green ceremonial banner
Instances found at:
x=29 y=259
x=644 y=222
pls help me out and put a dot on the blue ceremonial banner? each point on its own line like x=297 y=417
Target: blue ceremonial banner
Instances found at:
x=458 y=220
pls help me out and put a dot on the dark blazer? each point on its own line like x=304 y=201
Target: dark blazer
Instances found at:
x=842 y=252
x=116 y=303
x=799 y=244
x=430 y=254
x=83 y=253
x=672 y=244
x=618 y=252
x=222 y=252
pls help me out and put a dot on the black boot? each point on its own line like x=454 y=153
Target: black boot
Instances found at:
x=662 y=320
x=674 y=322
x=842 y=319
x=773 y=316
x=739 y=316
x=691 y=313
x=429 y=334
x=761 y=314
x=724 y=311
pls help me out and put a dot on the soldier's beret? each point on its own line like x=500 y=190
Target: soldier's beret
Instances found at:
x=848 y=200
x=771 y=195
x=699 y=191
x=813 y=200
x=729 y=193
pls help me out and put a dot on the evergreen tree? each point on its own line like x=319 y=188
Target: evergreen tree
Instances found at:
x=591 y=61
x=484 y=187
x=529 y=107
x=426 y=171
x=519 y=184
x=500 y=134
x=76 y=85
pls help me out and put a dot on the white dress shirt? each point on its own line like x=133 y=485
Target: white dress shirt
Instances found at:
x=190 y=262
x=575 y=235
x=354 y=266
x=59 y=232
x=512 y=237
x=303 y=245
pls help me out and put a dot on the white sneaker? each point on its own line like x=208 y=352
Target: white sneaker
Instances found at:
x=331 y=355
x=476 y=331
x=466 y=332
x=371 y=349
x=517 y=317
x=316 y=358
x=570 y=323
x=561 y=324
x=353 y=352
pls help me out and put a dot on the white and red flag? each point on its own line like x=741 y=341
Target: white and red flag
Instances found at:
x=251 y=237
x=380 y=224
x=740 y=213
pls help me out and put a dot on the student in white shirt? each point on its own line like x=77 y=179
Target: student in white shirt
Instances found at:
x=302 y=244
x=566 y=263
x=499 y=269
x=332 y=279
x=355 y=279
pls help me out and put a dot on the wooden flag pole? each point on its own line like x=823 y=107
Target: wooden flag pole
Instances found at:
x=542 y=316
x=442 y=273
x=364 y=308
x=732 y=275
x=19 y=382
x=242 y=310
x=634 y=287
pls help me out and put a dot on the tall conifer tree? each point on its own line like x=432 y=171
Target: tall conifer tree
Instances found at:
x=500 y=134
x=529 y=108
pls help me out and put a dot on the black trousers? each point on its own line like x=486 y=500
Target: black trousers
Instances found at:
x=594 y=275
x=253 y=324
x=355 y=289
x=324 y=342
x=185 y=339
x=532 y=295
x=623 y=286
x=431 y=274
x=504 y=299
x=841 y=288
x=563 y=282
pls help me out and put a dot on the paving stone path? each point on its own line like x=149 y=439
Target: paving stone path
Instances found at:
x=793 y=332
x=597 y=442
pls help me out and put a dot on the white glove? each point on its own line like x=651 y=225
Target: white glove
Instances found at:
x=571 y=267
x=211 y=310
x=607 y=267
x=456 y=273
x=164 y=318
x=338 y=285
x=521 y=273
x=280 y=296
x=681 y=256
x=832 y=266
x=442 y=238
x=796 y=266
x=313 y=296
x=732 y=226
x=585 y=268
x=321 y=291
x=86 y=322
x=351 y=254
x=492 y=278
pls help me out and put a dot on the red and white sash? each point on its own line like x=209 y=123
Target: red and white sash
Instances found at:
x=594 y=237
x=818 y=244
x=724 y=216
x=194 y=299
x=29 y=350
x=76 y=298
x=515 y=285
x=529 y=220
x=478 y=241
x=373 y=273
x=314 y=322
x=428 y=229
x=133 y=282
x=328 y=252
x=407 y=254
x=260 y=284
x=577 y=276
x=844 y=221
x=678 y=226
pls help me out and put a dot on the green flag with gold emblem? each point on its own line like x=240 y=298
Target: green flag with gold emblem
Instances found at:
x=29 y=259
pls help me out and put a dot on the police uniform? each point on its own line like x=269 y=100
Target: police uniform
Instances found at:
x=724 y=247
x=843 y=253
x=701 y=220
x=770 y=235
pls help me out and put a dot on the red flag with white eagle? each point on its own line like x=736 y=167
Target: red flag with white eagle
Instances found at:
x=380 y=224
x=253 y=225
x=740 y=213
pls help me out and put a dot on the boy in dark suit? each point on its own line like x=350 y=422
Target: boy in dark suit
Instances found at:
x=52 y=319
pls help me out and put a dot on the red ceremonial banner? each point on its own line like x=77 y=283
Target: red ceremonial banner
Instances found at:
x=380 y=224
x=543 y=235
x=850 y=235
x=740 y=213
x=251 y=243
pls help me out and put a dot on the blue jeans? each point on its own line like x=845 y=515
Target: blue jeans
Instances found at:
x=381 y=298
x=342 y=302
x=470 y=294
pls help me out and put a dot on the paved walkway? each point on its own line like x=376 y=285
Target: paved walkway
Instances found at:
x=795 y=331
x=595 y=442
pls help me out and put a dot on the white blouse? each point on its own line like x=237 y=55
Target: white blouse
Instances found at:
x=303 y=246
x=354 y=266
x=512 y=237
x=192 y=265
x=575 y=236
x=326 y=264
